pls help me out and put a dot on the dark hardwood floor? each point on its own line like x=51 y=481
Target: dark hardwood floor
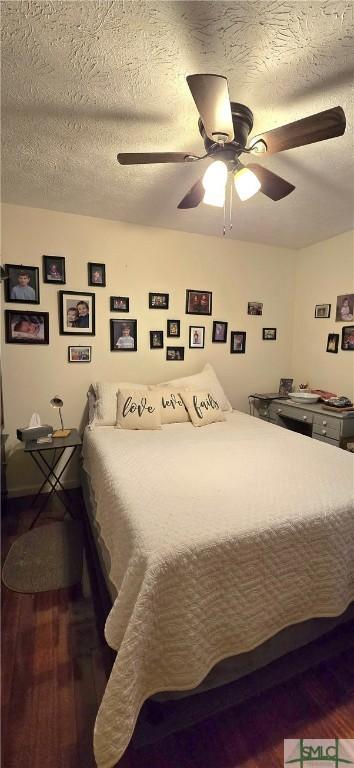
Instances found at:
x=54 y=670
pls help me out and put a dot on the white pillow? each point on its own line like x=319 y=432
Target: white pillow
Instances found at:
x=106 y=402
x=173 y=409
x=138 y=409
x=202 y=407
x=205 y=380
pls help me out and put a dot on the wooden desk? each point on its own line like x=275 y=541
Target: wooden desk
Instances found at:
x=311 y=419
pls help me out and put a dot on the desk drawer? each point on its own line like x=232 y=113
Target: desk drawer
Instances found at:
x=299 y=414
x=332 y=432
x=326 y=440
x=328 y=423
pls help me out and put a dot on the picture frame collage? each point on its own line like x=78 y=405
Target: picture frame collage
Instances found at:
x=344 y=313
x=77 y=315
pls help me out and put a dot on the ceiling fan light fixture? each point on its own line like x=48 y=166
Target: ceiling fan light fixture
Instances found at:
x=246 y=183
x=214 y=182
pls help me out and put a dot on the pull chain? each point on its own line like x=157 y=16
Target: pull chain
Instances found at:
x=229 y=211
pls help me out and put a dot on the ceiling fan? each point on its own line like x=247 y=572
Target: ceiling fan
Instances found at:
x=225 y=127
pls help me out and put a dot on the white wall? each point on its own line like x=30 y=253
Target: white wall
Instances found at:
x=323 y=272
x=139 y=260
x=143 y=259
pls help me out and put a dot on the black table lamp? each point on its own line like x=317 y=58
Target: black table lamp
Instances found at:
x=57 y=402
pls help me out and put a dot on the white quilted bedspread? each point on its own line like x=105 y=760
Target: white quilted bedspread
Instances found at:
x=218 y=537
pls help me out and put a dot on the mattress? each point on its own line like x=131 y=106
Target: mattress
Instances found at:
x=218 y=538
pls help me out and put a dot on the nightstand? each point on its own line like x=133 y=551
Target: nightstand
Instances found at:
x=37 y=451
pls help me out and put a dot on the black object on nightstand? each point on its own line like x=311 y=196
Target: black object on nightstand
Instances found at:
x=37 y=451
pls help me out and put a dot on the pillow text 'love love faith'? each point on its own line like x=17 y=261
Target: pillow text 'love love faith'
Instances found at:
x=173 y=409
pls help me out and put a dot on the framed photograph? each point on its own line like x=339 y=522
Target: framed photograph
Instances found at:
x=198 y=302
x=158 y=300
x=285 y=386
x=156 y=339
x=255 y=308
x=119 y=304
x=238 y=342
x=269 y=334
x=96 y=274
x=219 y=332
x=173 y=328
x=332 y=343
x=26 y=327
x=54 y=269
x=322 y=310
x=174 y=353
x=76 y=313
x=22 y=284
x=345 y=308
x=79 y=354
x=348 y=337
x=124 y=335
x=196 y=336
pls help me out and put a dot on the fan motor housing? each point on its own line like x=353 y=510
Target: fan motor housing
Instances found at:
x=242 y=120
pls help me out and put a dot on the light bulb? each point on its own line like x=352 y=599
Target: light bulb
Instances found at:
x=214 y=182
x=246 y=183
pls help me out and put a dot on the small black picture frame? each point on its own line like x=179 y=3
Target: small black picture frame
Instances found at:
x=322 y=311
x=21 y=285
x=174 y=328
x=196 y=336
x=333 y=343
x=219 y=332
x=175 y=353
x=285 y=387
x=26 y=327
x=198 y=302
x=255 y=308
x=76 y=313
x=159 y=300
x=96 y=274
x=119 y=303
x=348 y=338
x=156 y=339
x=269 y=334
x=238 y=342
x=54 y=270
x=79 y=354
x=124 y=335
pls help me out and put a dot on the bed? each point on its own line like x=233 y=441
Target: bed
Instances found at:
x=213 y=542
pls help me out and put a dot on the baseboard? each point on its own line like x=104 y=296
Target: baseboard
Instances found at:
x=30 y=490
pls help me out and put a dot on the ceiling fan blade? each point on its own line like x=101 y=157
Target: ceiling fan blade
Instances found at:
x=323 y=125
x=193 y=197
x=271 y=185
x=211 y=96
x=138 y=158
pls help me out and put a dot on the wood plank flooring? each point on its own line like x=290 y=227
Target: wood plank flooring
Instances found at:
x=54 y=670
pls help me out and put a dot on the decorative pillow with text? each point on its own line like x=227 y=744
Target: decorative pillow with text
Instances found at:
x=202 y=407
x=173 y=409
x=138 y=409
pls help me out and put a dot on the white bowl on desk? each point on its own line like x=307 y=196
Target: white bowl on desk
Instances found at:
x=303 y=397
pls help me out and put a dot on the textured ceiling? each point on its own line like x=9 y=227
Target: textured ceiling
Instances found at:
x=82 y=81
